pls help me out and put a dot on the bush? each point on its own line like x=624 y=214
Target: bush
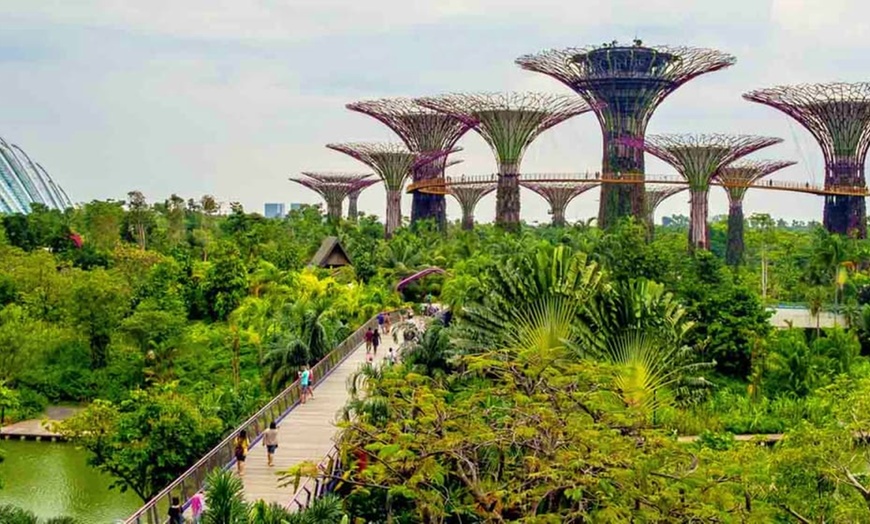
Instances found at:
x=32 y=404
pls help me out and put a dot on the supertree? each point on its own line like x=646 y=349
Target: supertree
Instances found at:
x=393 y=163
x=353 y=198
x=697 y=158
x=359 y=181
x=558 y=193
x=737 y=178
x=333 y=187
x=424 y=131
x=624 y=85
x=509 y=122
x=655 y=195
x=838 y=116
x=468 y=193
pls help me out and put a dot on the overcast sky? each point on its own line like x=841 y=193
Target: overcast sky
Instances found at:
x=230 y=97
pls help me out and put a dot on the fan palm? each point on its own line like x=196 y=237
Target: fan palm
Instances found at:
x=531 y=303
x=308 y=341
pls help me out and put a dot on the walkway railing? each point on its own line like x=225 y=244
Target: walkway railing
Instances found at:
x=185 y=486
x=315 y=487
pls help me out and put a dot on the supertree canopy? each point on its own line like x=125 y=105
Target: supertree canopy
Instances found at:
x=393 y=163
x=24 y=182
x=558 y=194
x=838 y=116
x=697 y=158
x=624 y=85
x=737 y=178
x=468 y=193
x=424 y=131
x=509 y=122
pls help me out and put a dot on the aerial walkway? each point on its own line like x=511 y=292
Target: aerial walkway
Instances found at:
x=305 y=433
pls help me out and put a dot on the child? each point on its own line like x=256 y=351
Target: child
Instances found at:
x=176 y=512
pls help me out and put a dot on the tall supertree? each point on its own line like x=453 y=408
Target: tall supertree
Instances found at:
x=393 y=163
x=655 y=195
x=468 y=192
x=697 y=158
x=333 y=187
x=838 y=116
x=424 y=131
x=509 y=122
x=624 y=85
x=353 y=198
x=558 y=193
x=737 y=178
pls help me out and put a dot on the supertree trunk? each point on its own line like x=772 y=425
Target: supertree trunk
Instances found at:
x=845 y=214
x=426 y=206
x=394 y=211
x=558 y=216
x=333 y=211
x=619 y=201
x=352 y=203
x=507 y=198
x=699 y=236
x=467 y=219
x=735 y=248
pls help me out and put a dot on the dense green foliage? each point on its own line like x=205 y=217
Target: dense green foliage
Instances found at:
x=575 y=357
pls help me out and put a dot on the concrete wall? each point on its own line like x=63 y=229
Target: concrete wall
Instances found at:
x=801 y=318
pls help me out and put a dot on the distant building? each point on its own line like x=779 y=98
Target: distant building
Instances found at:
x=24 y=182
x=274 y=211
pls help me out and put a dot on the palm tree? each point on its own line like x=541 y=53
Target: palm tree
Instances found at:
x=226 y=501
x=307 y=341
x=532 y=303
x=429 y=354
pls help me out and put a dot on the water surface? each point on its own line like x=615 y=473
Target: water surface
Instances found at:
x=53 y=479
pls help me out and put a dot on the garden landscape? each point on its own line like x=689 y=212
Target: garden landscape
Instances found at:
x=684 y=338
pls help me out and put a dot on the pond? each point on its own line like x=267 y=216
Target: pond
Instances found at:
x=52 y=479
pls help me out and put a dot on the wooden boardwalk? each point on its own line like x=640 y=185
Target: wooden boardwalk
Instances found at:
x=306 y=433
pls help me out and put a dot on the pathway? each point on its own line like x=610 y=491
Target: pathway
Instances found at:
x=306 y=433
x=38 y=429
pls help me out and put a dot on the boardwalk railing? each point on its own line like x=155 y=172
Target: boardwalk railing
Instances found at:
x=185 y=486
x=315 y=487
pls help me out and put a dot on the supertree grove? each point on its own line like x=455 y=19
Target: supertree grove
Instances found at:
x=737 y=178
x=838 y=117
x=360 y=181
x=624 y=85
x=423 y=131
x=558 y=194
x=333 y=187
x=508 y=122
x=697 y=158
x=393 y=163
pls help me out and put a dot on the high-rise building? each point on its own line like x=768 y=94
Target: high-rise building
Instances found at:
x=272 y=210
x=24 y=182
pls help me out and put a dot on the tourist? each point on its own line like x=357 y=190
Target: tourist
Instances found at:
x=305 y=382
x=176 y=512
x=240 y=451
x=197 y=506
x=376 y=341
x=390 y=358
x=368 y=337
x=381 y=321
x=387 y=323
x=369 y=357
x=270 y=441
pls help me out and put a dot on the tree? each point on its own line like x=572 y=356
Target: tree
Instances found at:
x=9 y=400
x=97 y=304
x=144 y=442
x=139 y=217
x=226 y=281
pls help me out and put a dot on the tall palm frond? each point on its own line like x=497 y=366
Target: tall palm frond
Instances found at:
x=284 y=361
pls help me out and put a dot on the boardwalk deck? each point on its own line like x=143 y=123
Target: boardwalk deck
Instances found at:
x=305 y=434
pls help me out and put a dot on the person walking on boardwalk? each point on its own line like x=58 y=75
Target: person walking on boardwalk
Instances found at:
x=197 y=506
x=240 y=450
x=368 y=338
x=270 y=442
x=376 y=341
x=305 y=382
x=176 y=512
x=381 y=320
